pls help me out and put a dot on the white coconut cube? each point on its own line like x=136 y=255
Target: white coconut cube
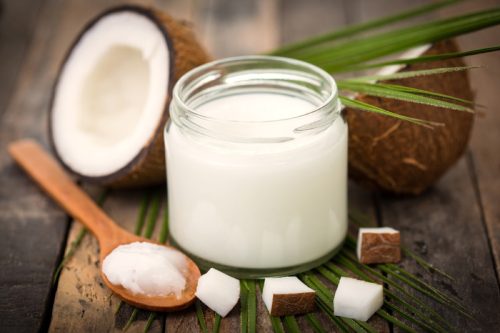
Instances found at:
x=219 y=291
x=287 y=296
x=357 y=299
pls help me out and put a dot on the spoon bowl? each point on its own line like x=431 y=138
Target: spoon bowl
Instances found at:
x=153 y=303
x=47 y=173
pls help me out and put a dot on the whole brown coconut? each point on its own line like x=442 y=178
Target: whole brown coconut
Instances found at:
x=147 y=166
x=400 y=157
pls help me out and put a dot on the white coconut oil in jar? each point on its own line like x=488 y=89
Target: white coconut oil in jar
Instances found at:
x=256 y=154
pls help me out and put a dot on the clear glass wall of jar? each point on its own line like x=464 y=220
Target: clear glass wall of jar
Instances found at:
x=256 y=152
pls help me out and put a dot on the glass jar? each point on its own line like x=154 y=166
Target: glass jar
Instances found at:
x=256 y=153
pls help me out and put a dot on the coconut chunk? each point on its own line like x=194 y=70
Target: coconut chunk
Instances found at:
x=287 y=296
x=378 y=245
x=219 y=291
x=357 y=299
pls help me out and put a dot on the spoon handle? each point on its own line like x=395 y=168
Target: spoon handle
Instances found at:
x=47 y=173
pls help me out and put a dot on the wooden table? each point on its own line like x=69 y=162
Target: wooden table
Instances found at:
x=455 y=225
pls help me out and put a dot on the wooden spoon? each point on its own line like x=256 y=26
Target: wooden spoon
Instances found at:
x=54 y=180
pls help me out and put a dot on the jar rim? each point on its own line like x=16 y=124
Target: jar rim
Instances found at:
x=193 y=73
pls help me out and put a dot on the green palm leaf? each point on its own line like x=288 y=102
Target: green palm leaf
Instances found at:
x=430 y=94
x=359 y=28
x=131 y=319
x=291 y=324
x=420 y=59
x=355 y=104
x=243 y=307
x=409 y=74
x=201 y=317
x=417 y=73
x=151 y=318
x=216 y=326
x=315 y=323
x=337 y=57
x=382 y=90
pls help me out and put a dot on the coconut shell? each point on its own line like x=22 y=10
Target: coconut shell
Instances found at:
x=293 y=304
x=400 y=157
x=148 y=167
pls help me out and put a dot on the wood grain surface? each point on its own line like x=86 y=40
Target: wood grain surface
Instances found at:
x=455 y=225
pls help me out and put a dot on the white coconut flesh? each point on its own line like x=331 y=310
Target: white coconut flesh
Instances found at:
x=110 y=94
x=411 y=53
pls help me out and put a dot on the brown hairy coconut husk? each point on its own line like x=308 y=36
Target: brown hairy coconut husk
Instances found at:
x=400 y=157
x=146 y=165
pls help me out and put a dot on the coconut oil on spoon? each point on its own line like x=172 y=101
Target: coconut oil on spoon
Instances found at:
x=144 y=273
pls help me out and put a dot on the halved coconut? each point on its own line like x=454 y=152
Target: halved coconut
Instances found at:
x=110 y=101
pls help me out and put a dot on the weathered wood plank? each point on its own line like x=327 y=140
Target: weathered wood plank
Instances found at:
x=485 y=136
x=32 y=229
x=15 y=37
x=444 y=226
x=32 y=226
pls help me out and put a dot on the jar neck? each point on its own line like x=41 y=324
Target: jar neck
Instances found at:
x=255 y=77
